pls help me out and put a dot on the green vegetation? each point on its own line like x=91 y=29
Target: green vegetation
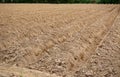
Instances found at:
x=60 y=1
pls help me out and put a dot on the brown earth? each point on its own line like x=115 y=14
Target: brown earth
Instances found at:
x=67 y=40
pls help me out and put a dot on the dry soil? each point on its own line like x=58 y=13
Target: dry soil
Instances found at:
x=59 y=40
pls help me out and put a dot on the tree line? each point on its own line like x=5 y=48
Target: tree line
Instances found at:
x=59 y=1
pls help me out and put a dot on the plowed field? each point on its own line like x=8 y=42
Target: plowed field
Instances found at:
x=66 y=40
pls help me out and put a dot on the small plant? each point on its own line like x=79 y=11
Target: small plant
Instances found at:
x=21 y=76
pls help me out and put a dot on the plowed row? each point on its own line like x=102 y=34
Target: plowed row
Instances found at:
x=57 y=39
x=105 y=62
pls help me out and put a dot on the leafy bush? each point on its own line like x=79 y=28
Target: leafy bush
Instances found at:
x=61 y=1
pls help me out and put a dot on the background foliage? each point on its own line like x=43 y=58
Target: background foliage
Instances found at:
x=60 y=1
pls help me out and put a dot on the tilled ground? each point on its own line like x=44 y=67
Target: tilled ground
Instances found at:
x=66 y=40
